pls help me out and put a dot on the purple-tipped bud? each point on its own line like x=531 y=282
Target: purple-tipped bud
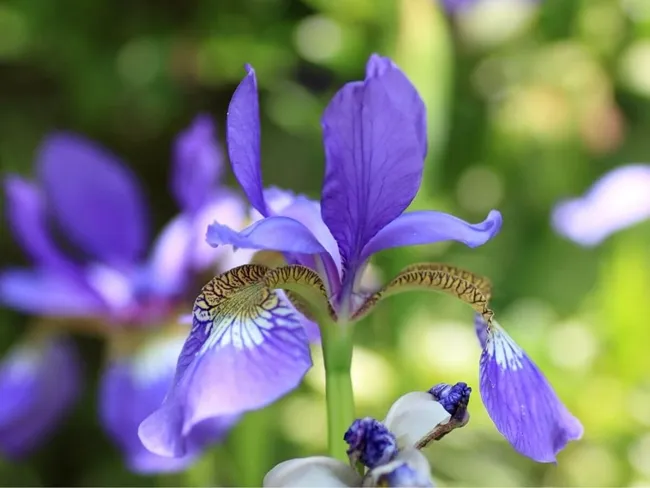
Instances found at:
x=370 y=442
x=454 y=398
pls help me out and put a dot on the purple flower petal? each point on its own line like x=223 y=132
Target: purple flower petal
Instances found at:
x=38 y=384
x=144 y=380
x=373 y=165
x=41 y=292
x=168 y=268
x=181 y=249
x=227 y=208
x=276 y=233
x=229 y=364
x=26 y=216
x=243 y=134
x=403 y=94
x=197 y=165
x=428 y=227
x=615 y=202
x=520 y=400
x=95 y=198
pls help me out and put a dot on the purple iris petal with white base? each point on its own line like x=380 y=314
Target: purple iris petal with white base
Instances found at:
x=144 y=380
x=233 y=361
x=38 y=384
x=618 y=200
x=374 y=136
x=520 y=400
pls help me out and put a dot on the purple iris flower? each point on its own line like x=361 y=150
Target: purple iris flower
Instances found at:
x=109 y=285
x=519 y=399
x=618 y=200
x=375 y=140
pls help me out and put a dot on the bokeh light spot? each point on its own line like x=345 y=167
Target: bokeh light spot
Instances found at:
x=303 y=420
x=635 y=67
x=139 y=62
x=479 y=189
x=639 y=455
x=373 y=377
x=451 y=347
x=318 y=38
x=13 y=32
x=572 y=345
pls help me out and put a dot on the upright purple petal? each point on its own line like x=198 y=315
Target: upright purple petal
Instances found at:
x=42 y=292
x=243 y=135
x=26 y=217
x=38 y=385
x=94 y=197
x=403 y=94
x=373 y=164
x=144 y=380
x=232 y=362
x=429 y=227
x=197 y=165
x=615 y=202
x=521 y=401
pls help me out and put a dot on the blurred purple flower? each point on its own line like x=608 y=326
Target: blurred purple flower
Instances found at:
x=618 y=200
x=519 y=399
x=375 y=138
x=95 y=202
x=459 y=6
x=39 y=382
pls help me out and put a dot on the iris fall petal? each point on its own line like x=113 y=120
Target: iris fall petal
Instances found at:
x=520 y=400
x=236 y=359
x=145 y=379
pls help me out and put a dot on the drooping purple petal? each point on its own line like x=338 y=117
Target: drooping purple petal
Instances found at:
x=520 y=400
x=229 y=365
x=373 y=165
x=26 y=217
x=243 y=135
x=402 y=92
x=41 y=292
x=38 y=385
x=618 y=200
x=429 y=227
x=95 y=198
x=277 y=233
x=133 y=388
x=197 y=165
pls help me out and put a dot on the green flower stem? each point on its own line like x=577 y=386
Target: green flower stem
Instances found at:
x=337 y=355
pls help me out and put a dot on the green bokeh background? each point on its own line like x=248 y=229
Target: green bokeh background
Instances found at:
x=528 y=104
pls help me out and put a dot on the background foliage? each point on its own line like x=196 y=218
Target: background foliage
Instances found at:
x=528 y=103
